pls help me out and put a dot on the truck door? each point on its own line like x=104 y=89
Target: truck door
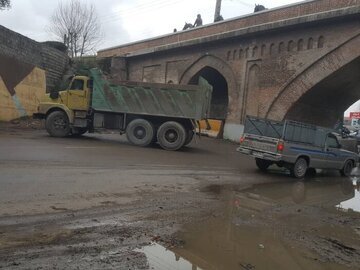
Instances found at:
x=332 y=148
x=77 y=95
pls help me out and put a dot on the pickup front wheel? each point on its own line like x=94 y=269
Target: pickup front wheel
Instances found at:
x=299 y=169
x=57 y=124
x=346 y=170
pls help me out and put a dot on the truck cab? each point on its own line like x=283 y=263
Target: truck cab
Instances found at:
x=72 y=105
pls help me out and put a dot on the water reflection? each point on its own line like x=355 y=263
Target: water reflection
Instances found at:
x=242 y=234
x=160 y=258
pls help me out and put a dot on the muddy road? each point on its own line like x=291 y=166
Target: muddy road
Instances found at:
x=97 y=202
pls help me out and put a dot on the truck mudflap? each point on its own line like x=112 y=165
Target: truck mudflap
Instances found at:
x=259 y=154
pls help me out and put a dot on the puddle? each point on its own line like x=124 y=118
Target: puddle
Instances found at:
x=160 y=258
x=337 y=193
x=271 y=226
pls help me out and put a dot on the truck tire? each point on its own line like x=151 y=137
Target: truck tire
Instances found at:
x=78 y=131
x=189 y=137
x=171 y=135
x=262 y=164
x=299 y=169
x=140 y=132
x=57 y=124
x=346 y=170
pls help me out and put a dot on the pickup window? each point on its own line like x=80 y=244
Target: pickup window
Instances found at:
x=77 y=84
x=332 y=142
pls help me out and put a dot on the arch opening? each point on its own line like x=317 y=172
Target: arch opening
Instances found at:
x=219 y=98
x=325 y=103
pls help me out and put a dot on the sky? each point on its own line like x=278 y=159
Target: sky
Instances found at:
x=125 y=21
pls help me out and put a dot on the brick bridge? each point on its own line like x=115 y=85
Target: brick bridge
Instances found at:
x=300 y=61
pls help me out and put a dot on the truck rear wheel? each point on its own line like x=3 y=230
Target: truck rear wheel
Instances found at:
x=299 y=169
x=57 y=124
x=189 y=137
x=140 y=132
x=262 y=164
x=171 y=135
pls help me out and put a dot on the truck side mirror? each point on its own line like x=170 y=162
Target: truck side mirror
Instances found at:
x=54 y=95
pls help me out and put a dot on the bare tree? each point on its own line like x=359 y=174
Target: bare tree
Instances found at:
x=4 y=4
x=77 y=25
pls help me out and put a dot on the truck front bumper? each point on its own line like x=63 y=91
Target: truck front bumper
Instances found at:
x=258 y=154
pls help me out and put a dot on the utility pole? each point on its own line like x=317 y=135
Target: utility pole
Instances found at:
x=217 y=9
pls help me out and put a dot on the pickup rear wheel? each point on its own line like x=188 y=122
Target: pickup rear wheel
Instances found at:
x=299 y=169
x=262 y=164
x=140 y=132
x=346 y=170
x=171 y=135
x=57 y=124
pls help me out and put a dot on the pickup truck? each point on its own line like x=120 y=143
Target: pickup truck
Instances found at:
x=294 y=145
x=146 y=112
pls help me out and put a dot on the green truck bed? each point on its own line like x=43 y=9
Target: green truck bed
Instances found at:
x=170 y=100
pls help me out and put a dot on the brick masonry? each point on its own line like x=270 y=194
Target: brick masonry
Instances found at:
x=26 y=50
x=301 y=61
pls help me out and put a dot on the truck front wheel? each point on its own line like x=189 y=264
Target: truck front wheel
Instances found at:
x=262 y=164
x=57 y=124
x=299 y=169
x=140 y=132
x=171 y=135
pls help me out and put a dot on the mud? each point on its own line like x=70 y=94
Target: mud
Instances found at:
x=99 y=203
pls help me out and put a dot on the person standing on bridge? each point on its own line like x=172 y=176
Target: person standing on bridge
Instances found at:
x=198 y=21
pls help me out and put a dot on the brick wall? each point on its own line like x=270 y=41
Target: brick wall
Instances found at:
x=52 y=60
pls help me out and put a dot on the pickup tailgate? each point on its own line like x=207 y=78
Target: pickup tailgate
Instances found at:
x=260 y=143
x=259 y=146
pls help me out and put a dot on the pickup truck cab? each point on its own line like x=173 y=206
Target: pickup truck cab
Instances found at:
x=294 y=145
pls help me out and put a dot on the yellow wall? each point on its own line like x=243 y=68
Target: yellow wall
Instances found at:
x=28 y=94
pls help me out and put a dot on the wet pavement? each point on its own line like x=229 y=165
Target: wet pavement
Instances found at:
x=99 y=203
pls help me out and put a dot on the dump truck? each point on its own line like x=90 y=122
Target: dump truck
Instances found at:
x=294 y=145
x=146 y=112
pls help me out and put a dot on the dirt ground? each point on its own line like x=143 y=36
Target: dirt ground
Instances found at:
x=97 y=202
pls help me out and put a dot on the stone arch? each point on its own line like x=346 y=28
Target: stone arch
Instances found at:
x=272 y=49
x=310 y=43
x=215 y=63
x=263 y=49
x=291 y=46
x=300 y=45
x=255 y=51
x=345 y=55
x=321 y=42
x=241 y=54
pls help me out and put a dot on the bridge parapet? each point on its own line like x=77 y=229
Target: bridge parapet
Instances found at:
x=294 y=11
